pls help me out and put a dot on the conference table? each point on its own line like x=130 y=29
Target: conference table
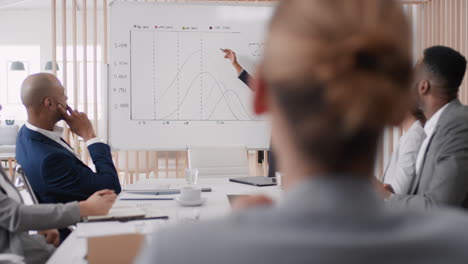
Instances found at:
x=74 y=248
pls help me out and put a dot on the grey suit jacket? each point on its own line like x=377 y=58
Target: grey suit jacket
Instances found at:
x=324 y=220
x=17 y=219
x=443 y=178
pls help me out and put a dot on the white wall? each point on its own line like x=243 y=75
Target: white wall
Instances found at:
x=26 y=35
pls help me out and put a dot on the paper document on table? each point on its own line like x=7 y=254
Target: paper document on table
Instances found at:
x=94 y=229
x=146 y=187
x=120 y=213
x=144 y=225
x=104 y=229
x=151 y=185
x=137 y=195
x=125 y=212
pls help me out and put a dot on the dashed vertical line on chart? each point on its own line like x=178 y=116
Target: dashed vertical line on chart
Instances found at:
x=154 y=74
x=201 y=76
x=131 y=83
x=178 y=83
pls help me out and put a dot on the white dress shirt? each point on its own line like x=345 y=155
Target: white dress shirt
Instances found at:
x=429 y=129
x=401 y=168
x=56 y=135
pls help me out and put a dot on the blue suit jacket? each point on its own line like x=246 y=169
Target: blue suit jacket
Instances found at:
x=56 y=175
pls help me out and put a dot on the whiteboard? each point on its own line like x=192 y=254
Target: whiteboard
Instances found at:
x=169 y=84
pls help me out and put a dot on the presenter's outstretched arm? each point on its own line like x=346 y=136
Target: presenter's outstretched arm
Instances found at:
x=243 y=75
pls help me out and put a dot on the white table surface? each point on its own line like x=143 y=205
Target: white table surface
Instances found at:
x=73 y=249
x=5 y=156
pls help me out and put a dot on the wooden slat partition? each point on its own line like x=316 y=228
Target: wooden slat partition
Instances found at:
x=85 y=57
x=95 y=71
x=54 y=35
x=388 y=141
x=445 y=22
x=64 y=44
x=75 y=66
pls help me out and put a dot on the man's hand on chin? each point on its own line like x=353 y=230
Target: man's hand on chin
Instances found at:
x=79 y=123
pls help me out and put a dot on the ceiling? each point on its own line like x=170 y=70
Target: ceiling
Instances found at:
x=24 y=4
x=40 y=4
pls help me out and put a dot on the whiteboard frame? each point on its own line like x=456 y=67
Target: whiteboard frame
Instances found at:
x=271 y=3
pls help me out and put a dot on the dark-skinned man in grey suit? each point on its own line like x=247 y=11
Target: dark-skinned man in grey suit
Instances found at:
x=442 y=162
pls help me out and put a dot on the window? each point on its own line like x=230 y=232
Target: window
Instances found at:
x=10 y=80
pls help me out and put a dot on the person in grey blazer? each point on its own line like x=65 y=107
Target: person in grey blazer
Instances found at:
x=16 y=219
x=334 y=75
x=442 y=161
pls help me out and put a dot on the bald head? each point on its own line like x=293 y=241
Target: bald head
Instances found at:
x=37 y=87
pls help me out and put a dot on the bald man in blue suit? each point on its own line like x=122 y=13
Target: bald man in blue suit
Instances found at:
x=54 y=169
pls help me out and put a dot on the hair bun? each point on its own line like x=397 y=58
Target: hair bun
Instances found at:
x=366 y=60
x=378 y=72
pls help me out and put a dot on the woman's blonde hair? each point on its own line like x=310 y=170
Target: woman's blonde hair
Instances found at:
x=341 y=71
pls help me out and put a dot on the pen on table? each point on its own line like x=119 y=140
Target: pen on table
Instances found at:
x=164 y=217
x=148 y=218
x=163 y=192
x=145 y=199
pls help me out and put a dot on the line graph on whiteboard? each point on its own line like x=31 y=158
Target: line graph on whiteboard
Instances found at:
x=181 y=75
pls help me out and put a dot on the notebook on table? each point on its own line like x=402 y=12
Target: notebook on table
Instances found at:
x=119 y=214
x=259 y=181
x=124 y=214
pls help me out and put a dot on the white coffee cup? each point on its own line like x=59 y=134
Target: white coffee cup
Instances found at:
x=190 y=193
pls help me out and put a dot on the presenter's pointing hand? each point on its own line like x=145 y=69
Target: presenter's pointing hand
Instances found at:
x=231 y=56
x=79 y=123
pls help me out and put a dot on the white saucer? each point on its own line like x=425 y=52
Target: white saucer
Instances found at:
x=190 y=203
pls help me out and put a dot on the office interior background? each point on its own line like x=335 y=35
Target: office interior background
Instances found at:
x=70 y=38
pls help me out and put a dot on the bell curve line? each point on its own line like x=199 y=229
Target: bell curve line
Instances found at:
x=179 y=71
x=177 y=74
x=224 y=90
x=188 y=90
x=224 y=94
x=211 y=88
x=219 y=87
x=218 y=84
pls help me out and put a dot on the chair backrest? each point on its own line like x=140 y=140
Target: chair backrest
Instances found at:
x=23 y=186
x=132 y=161
x=8 y=134
x=219 y=161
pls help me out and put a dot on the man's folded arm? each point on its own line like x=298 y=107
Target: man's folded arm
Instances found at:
x=16 y=217
x=64 y=176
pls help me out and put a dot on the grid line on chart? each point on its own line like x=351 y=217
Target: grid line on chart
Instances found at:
x=201 y=76
x=154 y=73
x=222 y=101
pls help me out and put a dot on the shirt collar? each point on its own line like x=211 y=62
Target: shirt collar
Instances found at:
x=415 y=125
x=55 y=135
x=432 y=122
